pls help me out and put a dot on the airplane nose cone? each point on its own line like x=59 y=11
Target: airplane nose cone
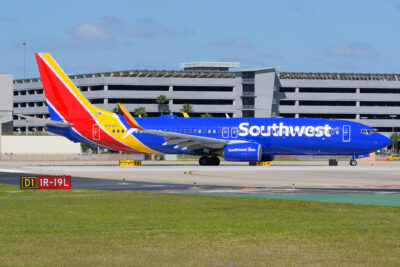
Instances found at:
x=383 y=141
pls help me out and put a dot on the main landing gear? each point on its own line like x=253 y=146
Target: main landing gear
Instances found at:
x=353 y=162
x=209 y=161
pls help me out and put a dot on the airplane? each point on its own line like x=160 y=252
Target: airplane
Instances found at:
x=235 y=139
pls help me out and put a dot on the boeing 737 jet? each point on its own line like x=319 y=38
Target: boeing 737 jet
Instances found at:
x=235 y=139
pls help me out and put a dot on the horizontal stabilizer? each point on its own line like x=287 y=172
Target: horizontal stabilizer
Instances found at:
x=46 y=121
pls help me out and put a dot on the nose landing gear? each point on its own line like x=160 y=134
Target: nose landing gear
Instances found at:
x=209 y=161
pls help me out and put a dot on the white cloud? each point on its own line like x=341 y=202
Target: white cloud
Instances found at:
x=237 y=41
x=355 y=50
x=90 y=32
x=8 y=19
x=147 y=28
x=187 y=31
x=110 y=33
x=302 y=11
x=256 y=60
x=87 y=37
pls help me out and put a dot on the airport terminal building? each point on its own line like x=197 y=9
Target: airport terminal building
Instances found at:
x=214 y=88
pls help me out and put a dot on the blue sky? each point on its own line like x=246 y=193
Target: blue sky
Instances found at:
x=91 y=36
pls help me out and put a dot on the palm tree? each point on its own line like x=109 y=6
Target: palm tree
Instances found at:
x=187 y=108
x=140 y=112
x=395 y=137
x=161 y=101
x=206 y=115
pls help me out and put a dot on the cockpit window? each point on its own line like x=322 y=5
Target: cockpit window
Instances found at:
x=368 y=131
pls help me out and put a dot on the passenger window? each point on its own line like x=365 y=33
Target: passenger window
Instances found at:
x=214 y=131
x=209 y=131
x=190 y=130
x=185 y=131
x=180 y=131
x=113 y=131
x=117 y=131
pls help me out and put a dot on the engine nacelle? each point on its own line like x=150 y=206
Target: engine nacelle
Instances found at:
x=243 y=152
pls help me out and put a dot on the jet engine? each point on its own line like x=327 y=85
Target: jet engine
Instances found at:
x=246 y=151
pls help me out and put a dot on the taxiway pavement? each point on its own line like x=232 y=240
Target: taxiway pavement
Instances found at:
x=379 y=185
x=283 y=176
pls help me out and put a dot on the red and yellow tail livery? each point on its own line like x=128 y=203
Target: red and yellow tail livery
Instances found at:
x=66 y=103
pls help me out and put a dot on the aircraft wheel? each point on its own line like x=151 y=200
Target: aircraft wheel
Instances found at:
x=353 y=162
x=203 y=161
x=214 y=161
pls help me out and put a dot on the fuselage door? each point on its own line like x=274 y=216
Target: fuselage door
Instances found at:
x=225 y=132
x=96 y=132
x=346 y=133
x=234 y=132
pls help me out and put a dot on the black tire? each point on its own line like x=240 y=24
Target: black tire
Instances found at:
x=353 y=162
x=214 y=161
x=203 y=161
x=159 y=157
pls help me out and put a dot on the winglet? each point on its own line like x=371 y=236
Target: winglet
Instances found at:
x=128 y=117
x=185 y=114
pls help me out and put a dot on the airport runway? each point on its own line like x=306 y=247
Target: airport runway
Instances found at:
x=283 y=176
x=362 y=185
x=120 y=185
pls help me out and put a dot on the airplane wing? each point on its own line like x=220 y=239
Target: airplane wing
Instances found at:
x=184 y=141
x=46 y=122
x=189 y=142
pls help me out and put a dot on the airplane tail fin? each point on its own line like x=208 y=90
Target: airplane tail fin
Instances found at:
x=65 y=102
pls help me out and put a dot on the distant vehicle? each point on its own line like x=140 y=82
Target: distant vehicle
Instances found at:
x=235 y=139
x=393 y=157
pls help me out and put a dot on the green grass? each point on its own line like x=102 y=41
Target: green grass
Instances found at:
x=105 y=228
x=392 y=199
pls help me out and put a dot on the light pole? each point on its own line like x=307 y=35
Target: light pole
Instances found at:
x=24 y=44
x=393 y=116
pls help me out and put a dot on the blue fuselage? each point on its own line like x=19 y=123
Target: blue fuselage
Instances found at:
x=277 y=136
